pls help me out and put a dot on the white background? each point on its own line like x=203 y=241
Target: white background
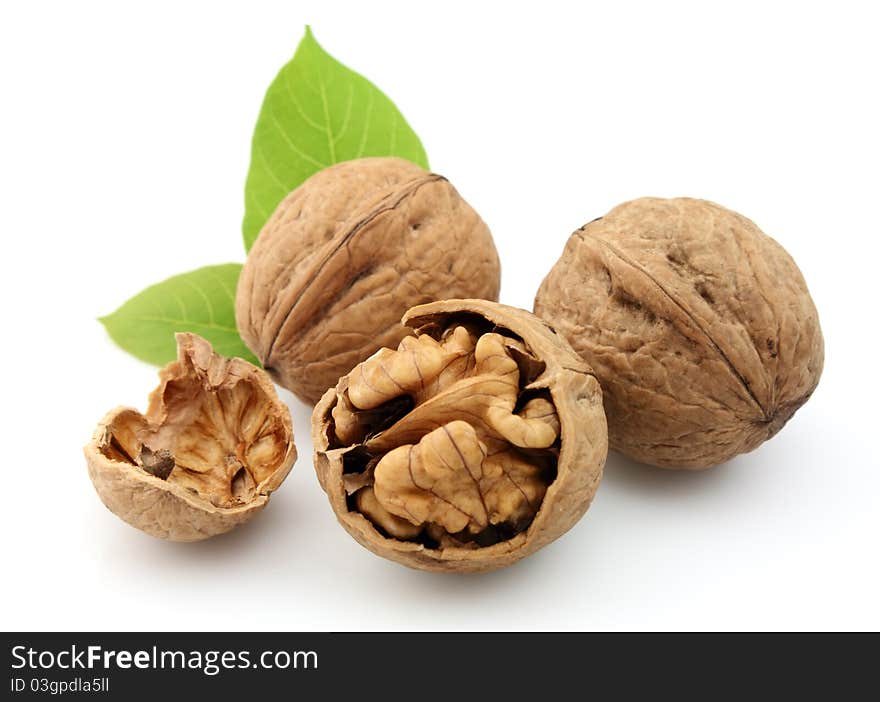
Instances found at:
x=124 y=143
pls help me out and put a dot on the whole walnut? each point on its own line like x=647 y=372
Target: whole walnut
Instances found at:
x=698 y=325
x=344 y=256
x=214 y=443
x=475 y=443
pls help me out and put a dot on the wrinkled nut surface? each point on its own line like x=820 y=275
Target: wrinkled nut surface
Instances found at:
x=215 y=441
x=344 y=256
x=475 y=443
x=699 y=326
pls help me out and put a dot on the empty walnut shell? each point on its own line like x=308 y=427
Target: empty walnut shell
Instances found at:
x=478 y=441
x=344 y=256
x=215 y=441
x=699 y=326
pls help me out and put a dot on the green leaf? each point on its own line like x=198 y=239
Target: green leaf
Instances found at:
x=201 y=301
x=316 y=113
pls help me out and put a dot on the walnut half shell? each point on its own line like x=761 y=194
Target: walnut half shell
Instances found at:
x=475 y=443
x=215 y=441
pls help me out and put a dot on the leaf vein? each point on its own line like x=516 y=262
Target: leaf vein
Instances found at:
x=223 y=284
x=208 y=304
x=347 y=119
x=366 y=130
x=299 y=108
x=330 y=142
x=293 y=147
x=186 y=322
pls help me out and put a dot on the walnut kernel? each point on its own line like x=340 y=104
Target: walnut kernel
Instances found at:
x=478 y=440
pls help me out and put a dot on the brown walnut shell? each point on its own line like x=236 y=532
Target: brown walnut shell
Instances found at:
x=699 y=326
x=344 y=256
x=214 y=443
x=478 y=441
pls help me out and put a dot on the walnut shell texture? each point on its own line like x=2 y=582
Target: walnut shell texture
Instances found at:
x=478 y=441
x=214 y=443
x=344 y=256
x=699 y=326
